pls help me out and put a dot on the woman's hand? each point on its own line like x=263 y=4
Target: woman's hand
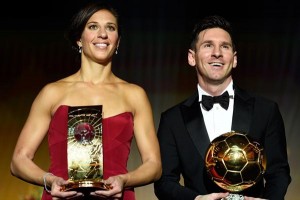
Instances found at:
x=57 y=192
x=116 y=186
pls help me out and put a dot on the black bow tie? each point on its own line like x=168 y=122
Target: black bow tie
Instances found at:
x=209 y=101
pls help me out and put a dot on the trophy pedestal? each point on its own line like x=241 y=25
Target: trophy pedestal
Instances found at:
x=85 y=186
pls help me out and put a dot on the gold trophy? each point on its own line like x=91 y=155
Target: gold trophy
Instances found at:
x=85 y=150
x=235 y=162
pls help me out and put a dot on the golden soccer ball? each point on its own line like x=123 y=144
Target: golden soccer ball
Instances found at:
x=235 y=162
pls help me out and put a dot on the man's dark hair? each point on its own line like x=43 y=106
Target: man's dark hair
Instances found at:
x=213 y=21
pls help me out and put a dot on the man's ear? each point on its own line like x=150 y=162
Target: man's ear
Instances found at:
x=191 y=58
x=234 y=60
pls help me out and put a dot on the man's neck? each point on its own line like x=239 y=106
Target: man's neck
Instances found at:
x=214 y=89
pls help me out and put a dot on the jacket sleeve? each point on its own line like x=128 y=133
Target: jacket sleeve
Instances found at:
x=277 y=176
x=169 y=186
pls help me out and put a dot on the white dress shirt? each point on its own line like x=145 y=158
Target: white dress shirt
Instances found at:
x=217 y=120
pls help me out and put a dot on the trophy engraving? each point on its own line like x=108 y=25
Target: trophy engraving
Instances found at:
x=85 y=150
x=235 y=162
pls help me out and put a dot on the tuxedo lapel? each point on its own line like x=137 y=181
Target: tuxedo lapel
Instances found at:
x=194 y=122
x=242 y=112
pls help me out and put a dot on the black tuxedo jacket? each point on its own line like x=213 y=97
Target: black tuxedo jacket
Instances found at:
x=184 y=141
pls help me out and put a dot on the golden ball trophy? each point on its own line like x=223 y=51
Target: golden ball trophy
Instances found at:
x=235 y=162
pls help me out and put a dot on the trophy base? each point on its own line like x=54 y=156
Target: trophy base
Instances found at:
x=85 y=187
x=234 y=197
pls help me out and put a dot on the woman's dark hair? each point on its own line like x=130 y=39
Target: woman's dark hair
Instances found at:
x=213 y=21
x=79 y=20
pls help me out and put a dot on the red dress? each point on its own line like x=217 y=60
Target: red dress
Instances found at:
x=116 y=138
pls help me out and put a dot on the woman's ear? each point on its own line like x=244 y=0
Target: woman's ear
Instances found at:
x=79 y=43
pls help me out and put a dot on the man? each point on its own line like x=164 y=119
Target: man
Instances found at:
x=186 y=130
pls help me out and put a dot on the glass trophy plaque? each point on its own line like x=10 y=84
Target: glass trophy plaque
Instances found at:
x=84 y=149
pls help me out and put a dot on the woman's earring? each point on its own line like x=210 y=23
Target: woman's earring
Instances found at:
x=79 y=49
x=116 y=52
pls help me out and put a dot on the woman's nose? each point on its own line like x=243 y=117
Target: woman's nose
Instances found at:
x=102 y=34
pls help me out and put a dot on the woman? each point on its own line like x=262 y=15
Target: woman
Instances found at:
x=126 y=112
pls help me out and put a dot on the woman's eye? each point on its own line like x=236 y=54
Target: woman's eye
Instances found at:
x=93 y=27
x=111 y=28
